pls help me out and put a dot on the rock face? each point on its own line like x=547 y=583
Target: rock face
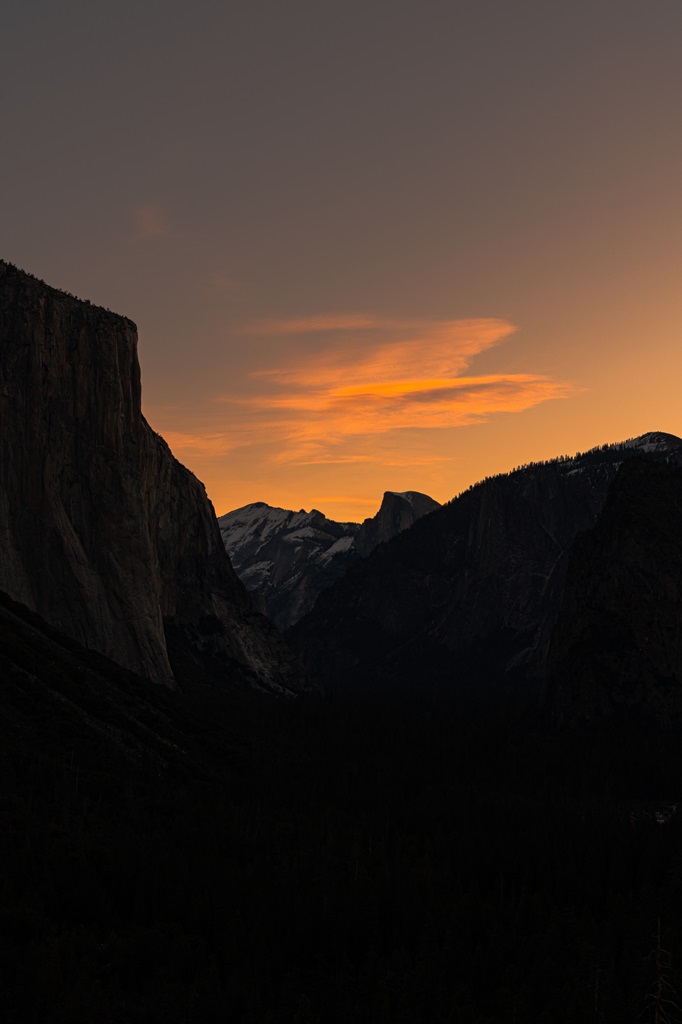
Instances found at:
x=471 y=593
x=617 y=645
x=286 y=559
x=398 y=512
x=102 y=532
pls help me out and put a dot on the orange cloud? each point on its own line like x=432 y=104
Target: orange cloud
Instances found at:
x=199 y=444
x=379 y=348
x=354 y=401
x=370 y=504
x=221 y=282
x=151 y=222
x=314 y=324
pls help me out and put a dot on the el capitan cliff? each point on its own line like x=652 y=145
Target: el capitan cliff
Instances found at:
x=103 y=532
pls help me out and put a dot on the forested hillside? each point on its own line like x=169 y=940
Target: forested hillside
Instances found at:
x=258 y=860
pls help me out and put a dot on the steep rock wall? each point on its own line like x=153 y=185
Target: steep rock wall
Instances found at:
x=398 y=512
x=102 y=532
x=617 y=645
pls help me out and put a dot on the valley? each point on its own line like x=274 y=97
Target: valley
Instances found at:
x=445 y=793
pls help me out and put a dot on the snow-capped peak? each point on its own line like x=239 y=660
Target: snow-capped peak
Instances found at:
x=654 y=441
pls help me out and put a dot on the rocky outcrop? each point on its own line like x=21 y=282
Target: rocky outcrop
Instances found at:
x=102 y=532
x=286 y=559
x=617 y=644
x=470 y=594
x=398 y=512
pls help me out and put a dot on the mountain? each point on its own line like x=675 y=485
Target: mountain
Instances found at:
x=104 y=534
x=470 y=594
x=617 y=645
x=286 y=559
x=399 y=511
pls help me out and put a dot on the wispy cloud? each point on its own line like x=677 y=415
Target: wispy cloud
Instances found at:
x=223 y=283
x=202 y=445
x=314 y=324
x=375 y=385
x=151 y=222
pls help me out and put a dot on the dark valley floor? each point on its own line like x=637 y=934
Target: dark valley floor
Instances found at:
x=213 y=856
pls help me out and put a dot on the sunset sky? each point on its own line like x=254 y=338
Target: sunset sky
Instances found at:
x=368 y=245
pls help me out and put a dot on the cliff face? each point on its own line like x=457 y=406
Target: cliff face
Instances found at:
x=102 y=532
x=617 y=645
x=398 y=512
x=471 y=592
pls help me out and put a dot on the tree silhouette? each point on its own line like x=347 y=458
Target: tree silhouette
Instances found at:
x=661 y=1007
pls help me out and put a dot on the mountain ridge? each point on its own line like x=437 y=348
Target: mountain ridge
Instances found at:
x=471 y=592
x=286 y=558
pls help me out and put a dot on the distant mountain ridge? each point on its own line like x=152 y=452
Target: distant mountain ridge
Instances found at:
x=471 y=593
x=286 y=559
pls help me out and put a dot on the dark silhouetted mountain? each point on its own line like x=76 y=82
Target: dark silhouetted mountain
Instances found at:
x=617 y=644
x=399 y=511
x=286 y=559
x=56 y=695
x=471 y=593
x=104 y=534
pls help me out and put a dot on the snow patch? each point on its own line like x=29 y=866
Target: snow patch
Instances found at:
x=306 y=533
x=337 y=548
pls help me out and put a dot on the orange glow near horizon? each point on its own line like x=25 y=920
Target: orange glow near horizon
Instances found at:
x=371 y=397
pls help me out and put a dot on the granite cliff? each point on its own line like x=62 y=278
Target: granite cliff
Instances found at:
x=102 y=532
x=399 y=511
x=617 y=645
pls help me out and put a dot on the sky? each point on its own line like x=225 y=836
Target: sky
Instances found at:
x=368 y=245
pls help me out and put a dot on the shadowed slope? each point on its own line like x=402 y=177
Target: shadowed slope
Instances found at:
x=470 y=593
x=617 y=646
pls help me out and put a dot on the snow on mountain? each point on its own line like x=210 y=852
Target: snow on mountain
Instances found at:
x=285 y=558
x=655 y=441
